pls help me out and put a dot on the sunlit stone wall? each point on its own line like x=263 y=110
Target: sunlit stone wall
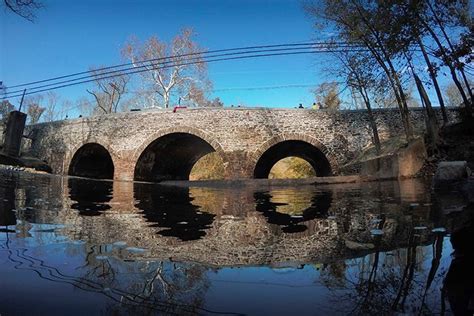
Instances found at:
x=239 y=135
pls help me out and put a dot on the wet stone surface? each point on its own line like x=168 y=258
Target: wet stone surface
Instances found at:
x=76 y=246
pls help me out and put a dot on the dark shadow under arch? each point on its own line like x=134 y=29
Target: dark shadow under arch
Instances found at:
x=295 y=148
x=171 y=157
x=92 y=161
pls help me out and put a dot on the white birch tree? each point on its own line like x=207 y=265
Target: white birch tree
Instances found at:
x=171 y=71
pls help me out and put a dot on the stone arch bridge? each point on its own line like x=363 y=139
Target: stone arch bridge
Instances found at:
x=154 y=145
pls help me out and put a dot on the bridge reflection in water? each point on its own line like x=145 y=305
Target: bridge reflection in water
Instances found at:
x=186 y=249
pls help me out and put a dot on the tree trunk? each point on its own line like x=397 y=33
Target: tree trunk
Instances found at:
x=373 y=124
x=451 y=47
x=166 y=98
x=391 y=73
x=466 y=82
x=435 y=81
x=406 y=113
x=431 y=121
x=452 y=70
x=393 y=85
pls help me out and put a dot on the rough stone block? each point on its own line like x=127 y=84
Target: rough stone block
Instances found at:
x=450 y=171
x=411 y=159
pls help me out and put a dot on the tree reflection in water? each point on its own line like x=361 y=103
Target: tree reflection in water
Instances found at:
x=388 y=282
x=146 y=287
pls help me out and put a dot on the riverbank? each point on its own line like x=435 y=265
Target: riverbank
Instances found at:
x=24 y=163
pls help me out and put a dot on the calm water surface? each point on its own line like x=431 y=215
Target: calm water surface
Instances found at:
x=75 y=246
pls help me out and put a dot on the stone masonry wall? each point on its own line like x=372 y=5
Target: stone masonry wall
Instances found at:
x=239 y=135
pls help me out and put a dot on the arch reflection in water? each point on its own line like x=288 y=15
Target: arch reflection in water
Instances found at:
x=171 y=208
x=91 y=197
x=300 y=206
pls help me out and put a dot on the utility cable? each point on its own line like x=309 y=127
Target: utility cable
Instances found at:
x=328 y=44
x=155 y=66
x=121 y=73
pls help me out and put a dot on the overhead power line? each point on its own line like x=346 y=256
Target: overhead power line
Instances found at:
x=316 y=44
x=145 y=64
x=168 y=62
x=144 y=70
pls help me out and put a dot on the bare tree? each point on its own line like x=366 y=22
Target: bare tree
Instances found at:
x=362 y=78
x=216 y=103
x=66 y=109
x=443 y=14
x=174 y=71
x=5 y=108
x=86 y=107
x=34 y=112
x=135 y=100
x=327 y=94
x=454 y=98
x=364 y=23
x=51 y=111
x=108 y=92
x=24 y=8
x=433 y=76
x=34 y=108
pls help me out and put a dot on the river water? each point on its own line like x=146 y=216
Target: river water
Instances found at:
x=76 y=246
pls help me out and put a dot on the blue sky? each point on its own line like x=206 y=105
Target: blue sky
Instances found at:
x=71 y=36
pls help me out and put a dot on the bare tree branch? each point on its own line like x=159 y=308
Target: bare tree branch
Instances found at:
x=176 y=81
x=24 y=8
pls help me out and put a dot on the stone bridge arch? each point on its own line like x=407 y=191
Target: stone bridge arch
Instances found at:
x=177 y=149
x=91 y=159
x=292 y=144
